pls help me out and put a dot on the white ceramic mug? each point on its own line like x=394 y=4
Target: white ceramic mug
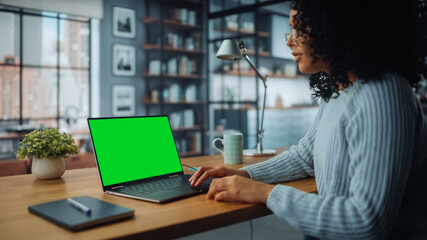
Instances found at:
x=233 y=147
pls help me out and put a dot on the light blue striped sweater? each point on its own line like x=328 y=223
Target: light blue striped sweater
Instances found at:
x=367 y=149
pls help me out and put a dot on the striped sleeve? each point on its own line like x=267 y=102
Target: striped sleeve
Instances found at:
x=380 y=134
x=294 y=164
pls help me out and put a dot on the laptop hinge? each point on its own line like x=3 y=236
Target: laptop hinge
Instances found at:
x=174 y=175
x=118 y=187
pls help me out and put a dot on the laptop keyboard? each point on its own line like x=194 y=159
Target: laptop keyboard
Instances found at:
x=154 y=186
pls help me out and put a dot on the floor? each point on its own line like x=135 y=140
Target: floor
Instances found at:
x=264 y=228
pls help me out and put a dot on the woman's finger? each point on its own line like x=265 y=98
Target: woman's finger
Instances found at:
x=215 y=188
x=224 y=196
x=197 y=174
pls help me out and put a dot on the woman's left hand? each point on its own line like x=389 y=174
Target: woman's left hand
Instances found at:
x=237 y=188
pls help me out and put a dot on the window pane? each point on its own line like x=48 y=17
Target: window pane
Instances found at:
x=40 y=41
x=9 y=92
x=246 y=2
x=215 y=5
x=42 y=123
x=74 y=97
x=9 y=38
x=39 y=93
x=231 y=4
x=74 y=44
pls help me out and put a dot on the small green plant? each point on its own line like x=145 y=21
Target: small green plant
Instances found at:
x=47 y=143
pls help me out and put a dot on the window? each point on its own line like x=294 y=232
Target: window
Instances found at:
x=44 y=70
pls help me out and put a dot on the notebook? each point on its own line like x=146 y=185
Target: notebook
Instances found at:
x=62 y=213
x=137 y=158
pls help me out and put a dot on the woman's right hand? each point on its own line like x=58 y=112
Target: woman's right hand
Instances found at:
x=215 y=172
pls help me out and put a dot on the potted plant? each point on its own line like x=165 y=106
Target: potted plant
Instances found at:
x=48 y=148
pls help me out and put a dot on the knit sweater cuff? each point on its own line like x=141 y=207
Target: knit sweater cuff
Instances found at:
x=276 y=198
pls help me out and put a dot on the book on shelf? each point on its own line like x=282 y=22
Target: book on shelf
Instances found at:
x=188 y=116
x=197 y=41
x=184 y=15
x=174 y=93
x=195 y=139
x=191 y=93
x=172 y=66
x=191 y=17
x=181 y=65
x=176 y=119
x=174 y=40
x=183 y=145
x=180 y=119
x=184 y=66
x=154 y=67
x=193 y=67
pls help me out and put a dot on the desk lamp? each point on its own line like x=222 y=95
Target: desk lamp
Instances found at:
x=229 y=50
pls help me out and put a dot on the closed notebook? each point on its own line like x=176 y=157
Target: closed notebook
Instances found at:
x=65 y=215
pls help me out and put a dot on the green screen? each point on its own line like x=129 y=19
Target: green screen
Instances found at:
x=133 y=148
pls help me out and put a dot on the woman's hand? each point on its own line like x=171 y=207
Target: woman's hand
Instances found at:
x=237 y=188
x=215 y=172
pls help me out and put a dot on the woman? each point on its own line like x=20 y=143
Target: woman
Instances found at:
x=367 y=147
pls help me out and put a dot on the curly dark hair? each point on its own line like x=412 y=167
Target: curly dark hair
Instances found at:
x=368 y=38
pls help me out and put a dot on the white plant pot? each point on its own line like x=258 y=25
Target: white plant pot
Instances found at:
x=48 y=168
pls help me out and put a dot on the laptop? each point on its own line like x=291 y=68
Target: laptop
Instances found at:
x=137 y=158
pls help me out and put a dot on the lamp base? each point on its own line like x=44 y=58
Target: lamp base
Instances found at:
x=255 y=153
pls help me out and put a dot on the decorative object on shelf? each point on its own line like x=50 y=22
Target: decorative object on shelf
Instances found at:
x=48 y=148
x=229 y=50
x=124 y=22
x=123 y=100
x=123 y=60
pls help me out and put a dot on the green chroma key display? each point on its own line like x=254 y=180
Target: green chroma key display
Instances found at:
x=144 y=143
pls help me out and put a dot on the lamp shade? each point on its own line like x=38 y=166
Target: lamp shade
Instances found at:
x=229 y=50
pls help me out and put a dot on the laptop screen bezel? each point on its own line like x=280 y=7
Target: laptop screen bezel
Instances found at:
x=117 y=185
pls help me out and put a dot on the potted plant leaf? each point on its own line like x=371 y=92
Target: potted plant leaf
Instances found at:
x=48 y=148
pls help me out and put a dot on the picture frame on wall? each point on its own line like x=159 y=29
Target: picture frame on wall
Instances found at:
x=123 y=97
x=124 y=22
x=124 y=60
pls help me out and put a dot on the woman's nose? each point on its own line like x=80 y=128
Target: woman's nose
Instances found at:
x=290 y=42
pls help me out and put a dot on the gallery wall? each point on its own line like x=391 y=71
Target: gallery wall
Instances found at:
x=110 y=75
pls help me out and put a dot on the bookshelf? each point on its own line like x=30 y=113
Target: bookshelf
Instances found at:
x=234 y=88
x=174 y=71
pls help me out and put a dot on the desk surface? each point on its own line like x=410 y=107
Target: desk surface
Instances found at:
x=170 y=220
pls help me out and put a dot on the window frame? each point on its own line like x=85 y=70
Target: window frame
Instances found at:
x=21 y=12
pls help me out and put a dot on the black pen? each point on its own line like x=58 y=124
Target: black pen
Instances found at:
x=78 y=206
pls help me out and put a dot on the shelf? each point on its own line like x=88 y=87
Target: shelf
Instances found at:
x=252 y=74
x=150 y=47
x=260 y=53
x=176 y=76
x=185 y=2
x=243 y=31
x=233 y=102
x=193 y=128
x=190 y=154
x=171 y=23
x=145 y=101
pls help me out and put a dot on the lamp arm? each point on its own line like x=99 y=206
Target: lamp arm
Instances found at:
x=261 y=129
x=264 y=80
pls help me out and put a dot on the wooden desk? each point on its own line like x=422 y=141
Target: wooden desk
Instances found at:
x=152 y=221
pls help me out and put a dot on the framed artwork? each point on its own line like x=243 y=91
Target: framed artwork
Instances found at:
x=124 y=22
x=123 y=60
x=123 y=100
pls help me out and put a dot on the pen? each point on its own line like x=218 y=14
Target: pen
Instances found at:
x=78 y=206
